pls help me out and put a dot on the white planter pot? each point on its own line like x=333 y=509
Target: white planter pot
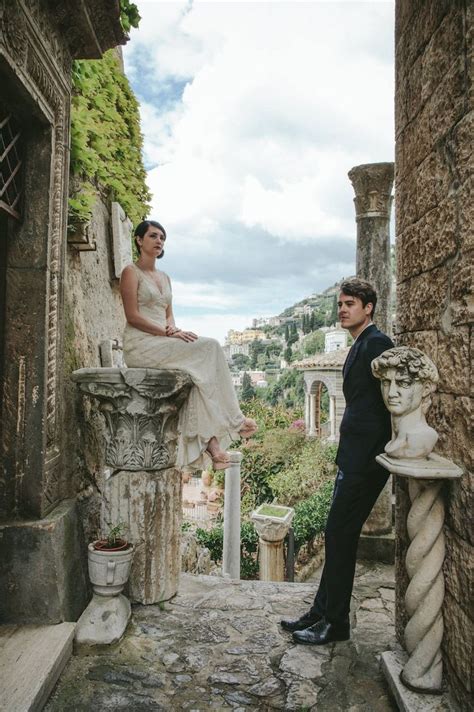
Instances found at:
x=109 y=570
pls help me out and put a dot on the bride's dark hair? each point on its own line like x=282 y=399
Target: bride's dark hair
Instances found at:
x=141 y=229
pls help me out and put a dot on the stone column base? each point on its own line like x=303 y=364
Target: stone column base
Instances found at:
x=43 y=565
x=392 y=663
x=149 y=503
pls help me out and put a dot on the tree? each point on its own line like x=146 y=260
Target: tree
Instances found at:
x=288 y=353
x=334 y=315
x=248 y=391
x=314 y=343
x=287 y=333
x=240 y=361
x=256 y=348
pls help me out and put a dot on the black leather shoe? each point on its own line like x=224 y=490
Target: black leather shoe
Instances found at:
x=322 y=633
x=302 y=623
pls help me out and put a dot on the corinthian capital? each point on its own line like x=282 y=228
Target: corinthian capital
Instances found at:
x=140 y=406
x=372 y=184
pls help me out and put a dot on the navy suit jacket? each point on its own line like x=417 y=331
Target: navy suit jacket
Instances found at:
x=366 y=424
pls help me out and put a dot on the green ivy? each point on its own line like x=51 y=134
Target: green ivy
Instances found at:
x=106 y=140
x=129 y=16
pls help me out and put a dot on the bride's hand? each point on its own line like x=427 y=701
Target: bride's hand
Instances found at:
x=183 y=335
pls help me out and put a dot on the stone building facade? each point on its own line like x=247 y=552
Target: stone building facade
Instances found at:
x=42 y=573
x=435 y=249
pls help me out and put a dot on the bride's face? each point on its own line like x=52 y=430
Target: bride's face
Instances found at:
x=153 y=241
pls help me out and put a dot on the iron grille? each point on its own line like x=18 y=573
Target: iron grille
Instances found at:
x=10 y=165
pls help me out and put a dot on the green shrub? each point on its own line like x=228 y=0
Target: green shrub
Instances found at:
x=304 y=474
x=265 y=459
x=269 y=417
x=213 y=539
x=311 y=515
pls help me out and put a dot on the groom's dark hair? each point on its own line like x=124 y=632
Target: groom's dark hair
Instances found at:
x=141 y=229
x=355 y=287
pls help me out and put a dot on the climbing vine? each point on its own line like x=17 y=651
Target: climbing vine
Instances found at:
x=129 y=16
x=106 y=140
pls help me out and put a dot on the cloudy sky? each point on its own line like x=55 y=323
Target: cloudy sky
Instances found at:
x=253 y=113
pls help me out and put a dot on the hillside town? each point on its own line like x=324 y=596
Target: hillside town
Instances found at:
x=260 y=355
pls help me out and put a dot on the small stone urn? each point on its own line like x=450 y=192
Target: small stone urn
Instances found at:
x=272 y=522
x=109 y=570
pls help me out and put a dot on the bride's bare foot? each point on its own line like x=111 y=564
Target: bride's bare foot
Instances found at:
x=249 y=428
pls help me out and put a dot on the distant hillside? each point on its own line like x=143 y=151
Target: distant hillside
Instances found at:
x=321 y=303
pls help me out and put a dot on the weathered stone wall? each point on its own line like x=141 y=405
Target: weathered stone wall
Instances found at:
x=435 y=247
x=93 y=313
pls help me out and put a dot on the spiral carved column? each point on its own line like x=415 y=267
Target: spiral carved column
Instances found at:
x=423 y=671
x=425 y=593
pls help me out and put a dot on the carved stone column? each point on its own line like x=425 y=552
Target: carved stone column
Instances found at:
x=143 y=490
x=307 y=408
x=312 y=415
x=372 y=184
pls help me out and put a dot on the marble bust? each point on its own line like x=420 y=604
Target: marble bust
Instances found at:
x=408 y=378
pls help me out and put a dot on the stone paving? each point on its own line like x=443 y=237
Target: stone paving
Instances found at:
x=218 y=646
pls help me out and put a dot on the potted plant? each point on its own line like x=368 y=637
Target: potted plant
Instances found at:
x=110 y=560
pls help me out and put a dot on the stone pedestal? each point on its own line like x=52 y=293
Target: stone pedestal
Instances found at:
x=143 y=488
x=423 y=671
x=103 y=622
x=272 y=531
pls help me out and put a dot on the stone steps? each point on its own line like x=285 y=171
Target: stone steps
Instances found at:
x=32 y=658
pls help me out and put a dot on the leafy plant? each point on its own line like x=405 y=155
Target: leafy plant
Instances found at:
x=106 y=140
x=311 y=515
x=312 y=465
x=129 y=15
x=265 y=459
x=213 y=539
x=114 y=537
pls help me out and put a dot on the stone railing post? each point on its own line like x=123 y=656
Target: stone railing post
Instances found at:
x=231 y=548
x=272 y=523
x=408 y=378
x=143 y=490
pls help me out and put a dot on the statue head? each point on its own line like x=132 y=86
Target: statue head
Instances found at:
x=408 y=378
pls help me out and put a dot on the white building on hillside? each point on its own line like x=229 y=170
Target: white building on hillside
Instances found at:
x=335 y=339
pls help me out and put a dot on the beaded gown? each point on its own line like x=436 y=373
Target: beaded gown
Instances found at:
x=212 y=408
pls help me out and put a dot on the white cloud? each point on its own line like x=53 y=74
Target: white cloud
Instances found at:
x=253 y=113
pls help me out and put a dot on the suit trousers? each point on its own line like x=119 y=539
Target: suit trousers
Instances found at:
x=355 y=494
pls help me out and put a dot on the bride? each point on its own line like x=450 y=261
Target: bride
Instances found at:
x=211 y=416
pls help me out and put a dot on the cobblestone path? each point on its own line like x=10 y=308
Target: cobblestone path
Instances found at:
x=218 y=646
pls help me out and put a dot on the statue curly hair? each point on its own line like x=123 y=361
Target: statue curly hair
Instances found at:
x=414 y=362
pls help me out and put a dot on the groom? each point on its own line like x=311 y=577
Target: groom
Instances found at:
x=365 y=429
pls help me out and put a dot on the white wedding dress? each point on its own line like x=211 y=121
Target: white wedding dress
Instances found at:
x=212 y=408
